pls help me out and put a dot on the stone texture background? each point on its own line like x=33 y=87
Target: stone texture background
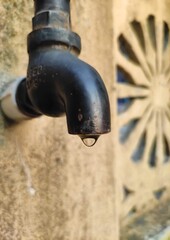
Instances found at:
x=51 y=185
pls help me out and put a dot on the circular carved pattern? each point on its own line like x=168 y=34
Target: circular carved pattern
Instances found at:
x=143 y=73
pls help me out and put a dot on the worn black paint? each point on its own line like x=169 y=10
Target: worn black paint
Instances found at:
x=58 y=82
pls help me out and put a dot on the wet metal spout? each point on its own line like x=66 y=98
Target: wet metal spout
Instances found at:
x=66 y=84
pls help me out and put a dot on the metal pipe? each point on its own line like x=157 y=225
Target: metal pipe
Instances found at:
x=44 y=5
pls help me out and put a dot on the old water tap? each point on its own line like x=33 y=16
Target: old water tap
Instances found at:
x=57 y=82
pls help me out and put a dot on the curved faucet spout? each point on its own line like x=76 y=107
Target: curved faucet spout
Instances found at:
x=59 y=83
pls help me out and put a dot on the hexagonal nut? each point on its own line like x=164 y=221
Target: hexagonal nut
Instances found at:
x=57 y=19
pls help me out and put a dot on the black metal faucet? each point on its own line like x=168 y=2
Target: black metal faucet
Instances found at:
x=57 y=82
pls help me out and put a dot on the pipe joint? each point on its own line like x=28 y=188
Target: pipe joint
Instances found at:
x=54 y=37
x=51 y=27
x=51 y=18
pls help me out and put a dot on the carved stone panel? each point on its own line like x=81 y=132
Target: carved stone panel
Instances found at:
x=143 y=106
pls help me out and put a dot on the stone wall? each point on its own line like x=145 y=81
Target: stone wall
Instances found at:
x=51 y=185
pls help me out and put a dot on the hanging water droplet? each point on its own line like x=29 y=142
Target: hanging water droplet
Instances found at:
x=89 y=141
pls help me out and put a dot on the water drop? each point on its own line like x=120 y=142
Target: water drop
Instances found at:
x=89 y=141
